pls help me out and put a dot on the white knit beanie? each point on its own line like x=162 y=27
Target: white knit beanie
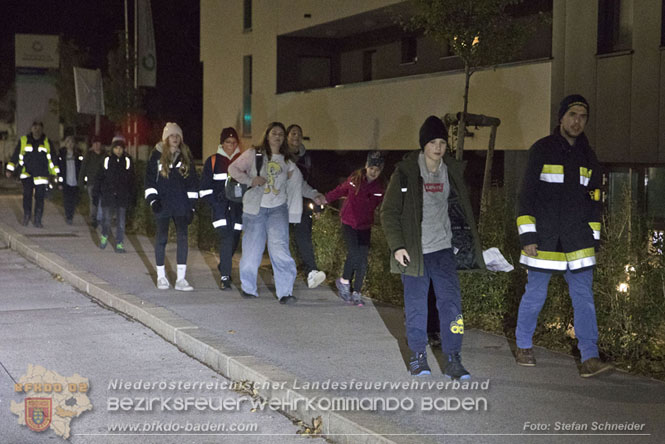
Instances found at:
x=171 y=128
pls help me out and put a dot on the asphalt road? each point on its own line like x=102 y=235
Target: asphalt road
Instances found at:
x=45 y=322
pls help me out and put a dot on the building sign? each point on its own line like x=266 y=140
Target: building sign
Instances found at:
x=36 y=51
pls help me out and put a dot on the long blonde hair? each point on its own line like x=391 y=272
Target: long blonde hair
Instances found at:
x=167 y=159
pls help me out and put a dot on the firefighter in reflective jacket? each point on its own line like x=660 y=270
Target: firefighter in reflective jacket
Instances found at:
x=226 y=214
x=559 y=227
x=33 y=162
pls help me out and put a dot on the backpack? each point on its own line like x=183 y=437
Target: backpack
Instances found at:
x=235 y=190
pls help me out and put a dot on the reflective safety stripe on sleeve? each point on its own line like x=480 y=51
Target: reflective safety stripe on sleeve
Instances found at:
x=237 y=226
x=585 y=176
x=193 y=194
x=595 y=226
x=127 y=163
x=526 y=224
x=10 y=167
x=43 y=150
x=106 y=163
x=404 y=190
x=219 y=176
x=28 y=149
x=219 y=223
x=150 y=191
x=204 y=193
x=552 y=173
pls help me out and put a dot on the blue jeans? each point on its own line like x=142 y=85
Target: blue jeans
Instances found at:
x=271 y=224
x=107 y=214
x=441 y=270
x=581 y=294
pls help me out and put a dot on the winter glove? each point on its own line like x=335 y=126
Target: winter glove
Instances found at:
x=190 y=216
x=156 y=206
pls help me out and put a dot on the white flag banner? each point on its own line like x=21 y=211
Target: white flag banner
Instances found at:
x=147 y=57
x=89 y=91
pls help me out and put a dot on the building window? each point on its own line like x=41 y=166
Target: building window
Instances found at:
x=247 y=96
x=409 y=50
x=368 y=65
x=615 y=25
x=247 y=15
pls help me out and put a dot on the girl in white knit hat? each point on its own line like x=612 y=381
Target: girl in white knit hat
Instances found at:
x=171 y=190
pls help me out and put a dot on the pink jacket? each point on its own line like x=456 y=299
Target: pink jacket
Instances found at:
x=358 y=210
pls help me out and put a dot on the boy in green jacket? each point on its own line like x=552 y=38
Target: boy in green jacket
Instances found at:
x=429 y=226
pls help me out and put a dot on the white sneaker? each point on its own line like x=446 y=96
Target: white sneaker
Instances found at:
x=183 y=285
x=315 y=278
x=163 y=284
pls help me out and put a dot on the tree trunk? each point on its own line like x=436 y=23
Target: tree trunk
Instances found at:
x=461 y=126
x=487 y=178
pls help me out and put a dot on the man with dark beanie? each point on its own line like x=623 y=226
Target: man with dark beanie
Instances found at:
x=559 y=227
x=226 y=215
x=428 y=222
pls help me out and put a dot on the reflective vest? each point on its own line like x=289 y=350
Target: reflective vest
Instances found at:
x=559 y=205
x=34 y=161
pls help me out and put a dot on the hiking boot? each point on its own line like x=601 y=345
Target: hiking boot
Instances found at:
x=183 y=285
x=524 y=356
x=594 y=366
x=418 y=364
x=357 y=299
x=103 y=241
x=119 y=248
x=225 y=282
x=344 y=290
x=455 y=369
x=163 y=283
x=315 y=278
x=434 y=339
x=288 y=300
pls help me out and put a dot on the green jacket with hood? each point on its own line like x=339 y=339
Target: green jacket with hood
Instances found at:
x=402 y=212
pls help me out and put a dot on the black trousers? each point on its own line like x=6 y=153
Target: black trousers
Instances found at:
x=303 y=238
x=357 y=245
x=70 y=197
x=39 y=191
x=228 y=243
x=162 y=237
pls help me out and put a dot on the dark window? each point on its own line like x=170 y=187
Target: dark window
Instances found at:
x=247 y=15
x=409 y=49
x=368 y=65
x=247 y=96
x=615 y=25
x=313 y=72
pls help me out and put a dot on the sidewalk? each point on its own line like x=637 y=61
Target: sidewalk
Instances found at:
x=320 y=340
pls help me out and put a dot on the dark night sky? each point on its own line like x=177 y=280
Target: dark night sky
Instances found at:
x=94 y=24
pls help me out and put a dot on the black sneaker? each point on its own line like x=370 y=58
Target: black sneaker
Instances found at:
x=594 y=366
x=26 y=220
x=288 y=300
x=226 y=282
x=418 y=364
x=246 y=295
x=455 y=369
x=524 y=357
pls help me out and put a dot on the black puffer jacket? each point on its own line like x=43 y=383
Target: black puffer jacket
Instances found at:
x=115 y=181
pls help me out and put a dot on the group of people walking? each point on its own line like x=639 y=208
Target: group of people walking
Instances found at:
x=425 y=214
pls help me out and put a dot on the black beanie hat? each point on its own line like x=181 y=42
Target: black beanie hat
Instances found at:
x=570 y=101
x=375 y=159
x=433 y=128
x=228 y=132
